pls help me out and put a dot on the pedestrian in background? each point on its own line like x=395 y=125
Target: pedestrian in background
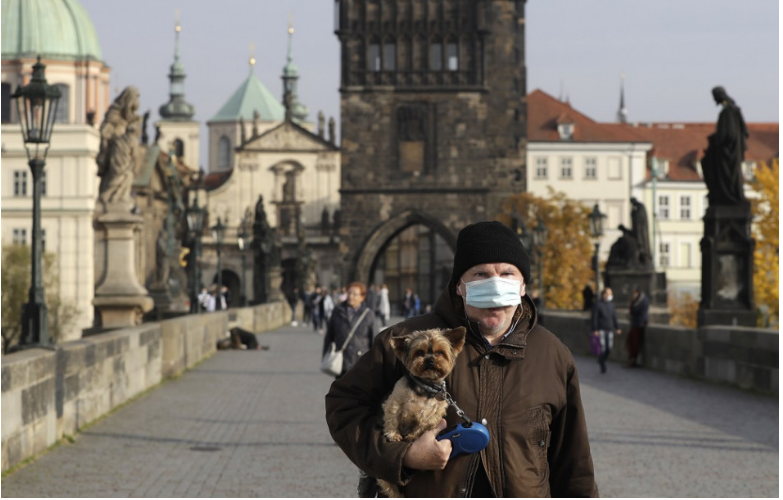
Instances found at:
x=372 y=298
x=587 y=298
x=293 y=300
x=604 y=321
x=384 y=307
x=307 y=312
x=639 y=309
x=351 y=314
x=328 y=308
x=408 y=303
x=315 y=308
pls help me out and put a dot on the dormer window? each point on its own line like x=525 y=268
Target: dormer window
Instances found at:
x=565 y=128
x=659 y=168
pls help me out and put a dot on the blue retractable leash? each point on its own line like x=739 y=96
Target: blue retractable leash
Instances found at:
x=466 y=437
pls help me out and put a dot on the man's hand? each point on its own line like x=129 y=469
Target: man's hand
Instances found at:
x=427 y=453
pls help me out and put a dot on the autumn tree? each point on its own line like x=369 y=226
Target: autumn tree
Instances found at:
x=568 y=253
x=14 y=288
x=765 y=228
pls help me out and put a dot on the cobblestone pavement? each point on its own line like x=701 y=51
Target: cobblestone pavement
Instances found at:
x=251 y=424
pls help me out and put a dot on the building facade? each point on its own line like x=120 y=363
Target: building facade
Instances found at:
x=66 y=41
x=433 y=124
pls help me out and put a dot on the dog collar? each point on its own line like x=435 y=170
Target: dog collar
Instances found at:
x=428 y=387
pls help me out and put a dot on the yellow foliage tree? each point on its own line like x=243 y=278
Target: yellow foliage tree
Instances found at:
x=765 y=228
x=568 y=252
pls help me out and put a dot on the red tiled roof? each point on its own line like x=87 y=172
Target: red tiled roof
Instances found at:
x=681 y=144
x=216 y=179
x=544 y=113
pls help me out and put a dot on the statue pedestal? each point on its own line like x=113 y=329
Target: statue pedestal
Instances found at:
x=168 y=304
x=275 y=281
x=119 y=297
x=727 y=267
x=623 y=281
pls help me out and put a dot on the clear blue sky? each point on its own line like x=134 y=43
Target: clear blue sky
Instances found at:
x=672 y=53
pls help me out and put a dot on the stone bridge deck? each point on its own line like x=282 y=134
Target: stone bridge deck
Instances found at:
x=251 y=424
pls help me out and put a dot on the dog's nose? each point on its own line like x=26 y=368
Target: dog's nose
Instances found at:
x=430 y=362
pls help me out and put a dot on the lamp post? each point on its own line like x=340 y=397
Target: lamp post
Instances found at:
x=540 y=234
x=596 y=231
x=195 y=220
x=218 y=233
x=37 y=106
x=242 y=235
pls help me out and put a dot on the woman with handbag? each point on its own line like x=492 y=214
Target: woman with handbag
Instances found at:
x=350 y=329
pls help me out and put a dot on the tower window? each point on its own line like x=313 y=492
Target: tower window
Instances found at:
x=179 y=148
x=224 y=152
x=374 y=57
x=452 y=57
x=389 y=56
x=6 y=103
x=62 y=105
x=436 y=56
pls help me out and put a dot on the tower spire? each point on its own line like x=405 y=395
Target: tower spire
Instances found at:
x=294 y=108
x=177 y=109
x=252 y=60
x=622 y=113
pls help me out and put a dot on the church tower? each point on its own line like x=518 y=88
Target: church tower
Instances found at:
x=178 y=131
x=290 y=77
x=433 y=103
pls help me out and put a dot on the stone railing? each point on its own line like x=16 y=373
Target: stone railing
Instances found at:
x=47 y=394
x=743 y=357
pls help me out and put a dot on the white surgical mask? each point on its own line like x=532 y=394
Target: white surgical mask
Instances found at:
x=493 y=292
x=609 y=298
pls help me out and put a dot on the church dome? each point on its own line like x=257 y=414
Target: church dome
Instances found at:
x=55 y=29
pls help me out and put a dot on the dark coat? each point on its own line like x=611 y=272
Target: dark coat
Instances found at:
x=640 y=309
x=526 y=387
x=604 y=317
x=338 y=329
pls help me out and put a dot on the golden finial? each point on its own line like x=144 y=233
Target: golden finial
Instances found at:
x=177 y=28
x=290 y=25
x=252 y=55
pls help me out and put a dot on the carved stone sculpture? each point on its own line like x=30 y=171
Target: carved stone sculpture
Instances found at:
x=256 y=118
x=331 y=130
x=119 y=152
x=321 y=124
x=722 y=162
x=242 y=132
x=641 y=231
x=262 y=246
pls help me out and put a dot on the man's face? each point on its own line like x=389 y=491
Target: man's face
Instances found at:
x=607 y=293
x=496 y=319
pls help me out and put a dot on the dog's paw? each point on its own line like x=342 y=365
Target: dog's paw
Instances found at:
x=393 y=436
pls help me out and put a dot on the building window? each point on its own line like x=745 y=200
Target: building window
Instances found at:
x=5 y=105
x=179 y=148
x=664 y=254
x=20 y=183
x=452 y=57
x=591 y=171
x=436 y=56
x=685 y=207
x=20 y=236
x=566 y=168
x=62 y=105
x=374 y=57
x=389 y=56
x=224 y=152
x=566 y=131
x=541 y=168
x=663 y=207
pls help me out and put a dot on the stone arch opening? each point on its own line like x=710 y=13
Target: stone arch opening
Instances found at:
x=411 y=250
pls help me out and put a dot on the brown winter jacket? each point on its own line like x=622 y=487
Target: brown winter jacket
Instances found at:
x=526 y=387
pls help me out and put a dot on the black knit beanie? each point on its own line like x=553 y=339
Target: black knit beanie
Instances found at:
x=485 y=242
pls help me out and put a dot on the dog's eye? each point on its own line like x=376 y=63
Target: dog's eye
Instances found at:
x=419 y=354
x=440 y=353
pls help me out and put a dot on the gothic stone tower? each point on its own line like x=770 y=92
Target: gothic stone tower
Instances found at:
x=433 y=104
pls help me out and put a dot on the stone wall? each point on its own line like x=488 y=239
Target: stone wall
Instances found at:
x=47 y=394
x=743 y=357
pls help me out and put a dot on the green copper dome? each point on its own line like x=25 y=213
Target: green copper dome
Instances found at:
x=249 y=97
x=55 y=29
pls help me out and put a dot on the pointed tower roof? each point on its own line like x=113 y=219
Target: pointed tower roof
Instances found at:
x=290 y=76
x=251 y=96
x=177 y=109
x=622 y=113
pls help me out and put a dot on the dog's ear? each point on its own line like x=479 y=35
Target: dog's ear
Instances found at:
x=400 y=344
x=456 y=337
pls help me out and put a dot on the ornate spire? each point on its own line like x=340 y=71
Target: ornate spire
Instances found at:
x=177 y=109
x=622 y=113
x=290 y=76
x=252 y=60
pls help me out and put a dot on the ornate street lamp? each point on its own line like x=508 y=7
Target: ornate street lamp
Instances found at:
x=519 y=227
x=540 y=234
x=37 y=106
x=596 y=231
x=195 y=219
x=218 y=233
x=242 y=235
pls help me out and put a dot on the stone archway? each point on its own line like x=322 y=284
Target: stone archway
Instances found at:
x=375 y=243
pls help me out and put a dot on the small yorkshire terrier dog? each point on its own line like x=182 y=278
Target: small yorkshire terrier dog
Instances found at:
x=412 y=408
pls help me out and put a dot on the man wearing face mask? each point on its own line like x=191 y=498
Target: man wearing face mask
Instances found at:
x=513 y=376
